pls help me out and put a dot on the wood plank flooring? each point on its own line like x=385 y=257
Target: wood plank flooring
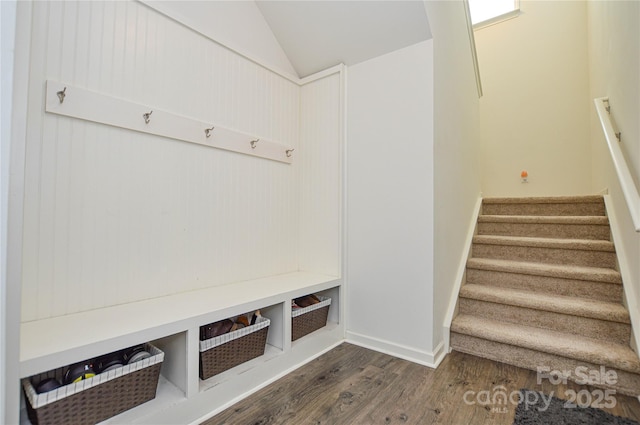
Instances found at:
x=352 y=385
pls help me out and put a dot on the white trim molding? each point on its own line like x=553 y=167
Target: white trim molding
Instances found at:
x=500 y=18
x=11 y=302
x=339 y=68
x=227 y=44
x=426 y=358
x=255 y=388
x=514 y=13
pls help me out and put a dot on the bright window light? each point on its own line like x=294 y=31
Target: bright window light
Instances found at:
x=485 y=10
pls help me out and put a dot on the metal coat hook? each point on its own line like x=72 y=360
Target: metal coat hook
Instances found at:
x=61 y=94
x=253 y=143
x=147 y=117
x=288 y=152
x=207 y=131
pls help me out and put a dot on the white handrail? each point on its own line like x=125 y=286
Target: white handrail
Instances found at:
x=472 y=43
x=627 y=183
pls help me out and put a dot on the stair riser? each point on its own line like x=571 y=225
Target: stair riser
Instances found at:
x=546 y=255
x=628 y=383
x=580 y=209
x=540 y=230
x=610 y=292
x=618 y=333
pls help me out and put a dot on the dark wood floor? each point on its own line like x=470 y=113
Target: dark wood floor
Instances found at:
x=351 y=385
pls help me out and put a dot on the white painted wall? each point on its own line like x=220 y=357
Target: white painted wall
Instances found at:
x=237 y=24
x=614 y=65
x=390 y=202
x=456 y=152
x=614 y=46
x=535 y=110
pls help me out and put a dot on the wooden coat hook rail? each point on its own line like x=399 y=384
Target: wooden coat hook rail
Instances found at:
x=63 y=99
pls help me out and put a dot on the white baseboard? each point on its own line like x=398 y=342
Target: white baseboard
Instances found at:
x=426 y=358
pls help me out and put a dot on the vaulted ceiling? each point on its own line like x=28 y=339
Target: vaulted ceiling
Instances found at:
x=316 y=35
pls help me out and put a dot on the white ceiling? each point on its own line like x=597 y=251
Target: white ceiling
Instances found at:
x=317 y=34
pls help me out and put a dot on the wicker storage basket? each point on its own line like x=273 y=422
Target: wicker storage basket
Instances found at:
x=231 y=349
x=308 y=319
x=93 y=400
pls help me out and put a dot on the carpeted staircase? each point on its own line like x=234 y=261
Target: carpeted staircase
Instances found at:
x=542 y=290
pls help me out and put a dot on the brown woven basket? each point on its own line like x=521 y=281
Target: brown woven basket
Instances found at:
x=98 y=402
x=229 y=350
x=309 y=319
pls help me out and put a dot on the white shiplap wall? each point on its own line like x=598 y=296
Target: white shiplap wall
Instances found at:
x=320 y=159
x=114 y=216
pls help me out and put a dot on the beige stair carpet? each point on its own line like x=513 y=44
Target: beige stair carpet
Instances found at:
x=542 y=290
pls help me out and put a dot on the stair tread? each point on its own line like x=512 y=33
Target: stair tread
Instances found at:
x=578 y=244
x=545 y=219
x=596 y=274
x=581 y=307
x=553 y=342
x=592 y=199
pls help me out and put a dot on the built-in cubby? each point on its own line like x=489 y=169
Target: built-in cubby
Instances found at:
x=334 y=293
x=172 y=324
x=174 y=366
x=274 y=347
